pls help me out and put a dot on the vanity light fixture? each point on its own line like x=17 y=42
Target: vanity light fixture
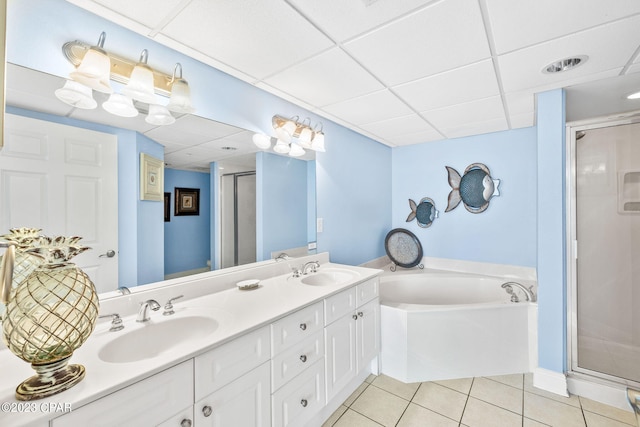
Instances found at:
x=95 y=67
x=292 y=136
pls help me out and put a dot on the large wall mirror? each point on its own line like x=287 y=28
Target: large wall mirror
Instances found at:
x=251 y=204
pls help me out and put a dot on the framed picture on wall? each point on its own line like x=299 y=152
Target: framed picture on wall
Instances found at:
x=187 y=201
x=167 y=207
x=151 y=178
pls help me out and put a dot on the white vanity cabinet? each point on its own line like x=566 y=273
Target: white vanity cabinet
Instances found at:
x=352 y=334
x=150 y=402
x=233 y=383
x=297 y=366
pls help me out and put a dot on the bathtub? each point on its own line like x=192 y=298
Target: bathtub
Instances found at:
x=438 y=325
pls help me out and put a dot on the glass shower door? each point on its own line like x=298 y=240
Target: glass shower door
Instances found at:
x=608 y=252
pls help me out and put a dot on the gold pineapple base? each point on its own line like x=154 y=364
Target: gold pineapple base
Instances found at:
x=51 y=378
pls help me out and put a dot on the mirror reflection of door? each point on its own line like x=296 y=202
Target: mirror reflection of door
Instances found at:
x=63 y=180
x=238 y=218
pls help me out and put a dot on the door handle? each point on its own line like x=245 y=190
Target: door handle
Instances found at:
x=109 y=254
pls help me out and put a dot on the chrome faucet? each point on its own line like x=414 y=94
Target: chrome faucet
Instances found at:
x=143 y=311
x=528 y=292
x=282 y=257
x=312 y=265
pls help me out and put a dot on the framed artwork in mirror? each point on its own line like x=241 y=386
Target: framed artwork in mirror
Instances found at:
x=151 y=178
x=167 y=207
x=187 y=201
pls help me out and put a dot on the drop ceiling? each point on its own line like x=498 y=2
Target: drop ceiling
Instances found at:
x=400 y=71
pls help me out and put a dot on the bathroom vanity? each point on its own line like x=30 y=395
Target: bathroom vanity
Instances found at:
x=285 y=353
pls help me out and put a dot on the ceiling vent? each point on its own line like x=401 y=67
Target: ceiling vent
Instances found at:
x=565 y=64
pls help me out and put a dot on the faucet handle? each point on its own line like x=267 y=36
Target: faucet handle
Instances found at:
x=116 y=322
x=168 y=307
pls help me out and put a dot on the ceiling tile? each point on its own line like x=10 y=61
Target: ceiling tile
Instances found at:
x=99 y=115
x=477 y=128
x=268 y=36
x=441 y=37
x=416 y=138
x=328 y=78
x=516 y=24
x=523 y=69
x=635 y=68
x=343 y=20
x=522 y=120
x=388 y=129
x=147 y=12
x=520 y=102
x=463 y=84
x=482 y=110
x=370 y=108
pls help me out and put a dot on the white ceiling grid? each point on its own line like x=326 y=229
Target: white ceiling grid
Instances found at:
x=400 y=71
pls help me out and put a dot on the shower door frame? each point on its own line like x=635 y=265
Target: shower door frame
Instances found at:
x=572 y=243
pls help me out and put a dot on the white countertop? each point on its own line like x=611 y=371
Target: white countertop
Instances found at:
x=237 y=311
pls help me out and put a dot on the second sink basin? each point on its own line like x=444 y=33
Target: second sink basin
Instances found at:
x=153 y=339
x=329 y=277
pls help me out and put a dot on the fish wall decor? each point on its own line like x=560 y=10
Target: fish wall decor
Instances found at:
x=424 y=212
x=475 y=188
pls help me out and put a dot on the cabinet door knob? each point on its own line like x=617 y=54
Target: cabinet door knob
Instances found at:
x=303 y=326
x=303 y=358
x=186 y=423
x=303 y=402
x=355 y=317
x=360 y=314
x=207 y=411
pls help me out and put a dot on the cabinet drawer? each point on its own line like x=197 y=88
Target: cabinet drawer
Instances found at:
x=338 y=305
x=367 y=291
x=179 y=418
x=296 y=327
x=244 y=402
x=222 y=365
x=301 y=398
x=146 y=403
x=296 y=359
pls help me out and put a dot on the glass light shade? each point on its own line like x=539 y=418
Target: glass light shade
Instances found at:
x=120 y=105
x=94 y=70
x=180 y=100
x=77 y=95
x=296 y=150
x=286 y=131
x=262 y=141
x=318 y=142
x=305 y=137
x=159 y=115
x=140 y=86
x=281 y=147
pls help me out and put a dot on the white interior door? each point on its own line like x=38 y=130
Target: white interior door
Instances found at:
x=63 y=180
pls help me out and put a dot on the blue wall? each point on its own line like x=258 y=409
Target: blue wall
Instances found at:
x=187 y=238
x=506 y=232
x=551 y=245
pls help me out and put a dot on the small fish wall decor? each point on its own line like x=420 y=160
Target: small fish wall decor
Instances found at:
x=424 y=212
x=475 y=188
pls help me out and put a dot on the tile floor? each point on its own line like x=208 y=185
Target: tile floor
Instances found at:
x=501 y=401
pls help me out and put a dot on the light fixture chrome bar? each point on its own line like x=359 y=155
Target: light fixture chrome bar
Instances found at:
x=121 y=68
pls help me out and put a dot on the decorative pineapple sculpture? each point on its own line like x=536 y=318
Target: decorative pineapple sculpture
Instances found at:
x=49 y=314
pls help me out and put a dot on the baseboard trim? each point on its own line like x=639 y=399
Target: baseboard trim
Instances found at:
x=551 y=381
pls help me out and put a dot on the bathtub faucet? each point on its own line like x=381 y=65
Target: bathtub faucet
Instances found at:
x=528 y=292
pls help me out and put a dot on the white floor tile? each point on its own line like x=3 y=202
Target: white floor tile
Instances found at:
x=551 y=412
x=353 y=419
x=482 y=414
x=405 y=391
x=595 y=420
x=498 y=394
x=335 y=416
x=417 y=416
x=381 y=406
x=514 y=380
x=617 y=414
x=440 y=399
x=463 y=385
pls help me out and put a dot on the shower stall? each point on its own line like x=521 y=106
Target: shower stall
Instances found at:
x=604 y=253
x=238 y=218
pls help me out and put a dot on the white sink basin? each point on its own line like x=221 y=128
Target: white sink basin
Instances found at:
x=153 y=339
x=331 y=276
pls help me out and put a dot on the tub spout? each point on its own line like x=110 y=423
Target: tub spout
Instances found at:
x=528 y=292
